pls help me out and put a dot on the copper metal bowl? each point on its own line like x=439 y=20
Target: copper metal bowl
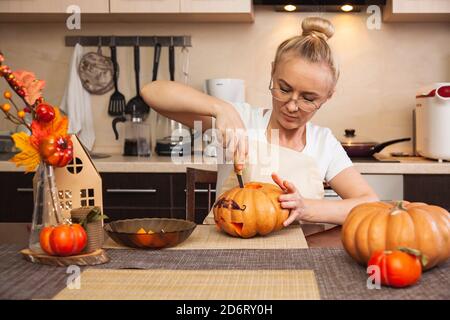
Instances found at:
x=166 y=232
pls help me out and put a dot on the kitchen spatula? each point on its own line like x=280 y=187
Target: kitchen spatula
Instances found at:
x=117 y=100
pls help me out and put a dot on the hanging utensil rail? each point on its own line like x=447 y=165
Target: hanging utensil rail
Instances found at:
x=128 y=41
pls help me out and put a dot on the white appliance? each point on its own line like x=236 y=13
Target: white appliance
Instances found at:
x=230 y=90
x=433 y=121
x=388 y=187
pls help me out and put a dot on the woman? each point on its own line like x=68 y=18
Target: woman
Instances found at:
x=304 y=76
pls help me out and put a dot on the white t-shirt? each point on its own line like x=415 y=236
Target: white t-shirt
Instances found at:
x=321 y=144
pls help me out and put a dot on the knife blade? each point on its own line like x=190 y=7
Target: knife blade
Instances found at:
x=238 y=166
x=239 y=177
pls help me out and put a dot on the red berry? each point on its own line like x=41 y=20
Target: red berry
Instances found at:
x=27 y=110
x=45 y=112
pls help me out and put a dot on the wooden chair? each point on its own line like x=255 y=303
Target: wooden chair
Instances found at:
x=193 y=178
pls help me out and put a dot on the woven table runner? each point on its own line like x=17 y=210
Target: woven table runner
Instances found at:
x=337 y=275
x=194 y=285
x=208 y=237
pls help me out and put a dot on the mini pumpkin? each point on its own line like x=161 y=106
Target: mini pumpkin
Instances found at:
x=383 y=226
x=246 y=212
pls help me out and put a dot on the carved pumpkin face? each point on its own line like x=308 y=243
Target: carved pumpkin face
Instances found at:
x=246 y=212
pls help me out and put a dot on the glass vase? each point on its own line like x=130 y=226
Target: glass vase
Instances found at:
x=47 y=211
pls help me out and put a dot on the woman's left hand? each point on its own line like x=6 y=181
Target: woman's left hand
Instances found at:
x=291 y=200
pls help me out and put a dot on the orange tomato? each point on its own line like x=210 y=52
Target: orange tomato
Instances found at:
x=63 y=240
x=44 y=239
x=398 y=269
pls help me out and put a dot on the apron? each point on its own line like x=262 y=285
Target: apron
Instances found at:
x=265 y=158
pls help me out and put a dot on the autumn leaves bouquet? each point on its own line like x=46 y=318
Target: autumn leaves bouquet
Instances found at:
x=48 y=140
x=47 y=145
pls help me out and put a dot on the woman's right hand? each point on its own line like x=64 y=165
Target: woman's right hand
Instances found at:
x=231 y=132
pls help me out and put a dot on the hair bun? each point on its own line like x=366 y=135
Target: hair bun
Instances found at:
x=317 y=27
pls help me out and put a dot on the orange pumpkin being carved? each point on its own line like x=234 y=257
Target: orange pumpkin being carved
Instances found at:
x=385 y=226
x=246 y=212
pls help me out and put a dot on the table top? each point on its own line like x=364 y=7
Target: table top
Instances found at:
x=322 y=271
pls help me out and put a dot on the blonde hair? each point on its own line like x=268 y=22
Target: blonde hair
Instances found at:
x=311 y=45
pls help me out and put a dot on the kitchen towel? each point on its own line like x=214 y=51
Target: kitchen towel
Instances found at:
x=76 y=103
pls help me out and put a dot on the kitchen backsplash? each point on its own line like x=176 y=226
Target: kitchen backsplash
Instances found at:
x=381 y=70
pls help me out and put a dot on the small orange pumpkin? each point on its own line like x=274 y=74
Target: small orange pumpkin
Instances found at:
x=370 y=227
x=246 y=212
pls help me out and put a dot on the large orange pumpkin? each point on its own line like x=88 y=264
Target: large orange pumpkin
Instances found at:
x=385 y=226
x=254 y=209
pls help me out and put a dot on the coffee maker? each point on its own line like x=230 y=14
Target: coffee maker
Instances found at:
x=137 y=132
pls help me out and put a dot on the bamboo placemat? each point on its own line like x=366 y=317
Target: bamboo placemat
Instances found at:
x=208 y=237
x=194 y=285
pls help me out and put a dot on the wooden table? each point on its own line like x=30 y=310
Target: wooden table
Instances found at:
x=326 y=239
x=323 y=271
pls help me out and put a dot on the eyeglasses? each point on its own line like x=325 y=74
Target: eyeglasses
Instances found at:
x=284 y=96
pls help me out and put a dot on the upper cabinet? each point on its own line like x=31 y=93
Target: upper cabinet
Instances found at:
x=183 y=10
x=130 y=10
x=216 y=6
x=417 y=11
x=148 y=6
x=217 y=10
x=52 y=6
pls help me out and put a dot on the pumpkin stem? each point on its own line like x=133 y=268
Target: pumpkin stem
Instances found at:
x=399 y=206
x=423 y=258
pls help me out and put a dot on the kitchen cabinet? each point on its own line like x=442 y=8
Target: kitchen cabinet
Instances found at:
x=129 y=10
x=125 y=195
x=417 y=11
x=137 y=195
x=16 y=194
x=134 y=195
x=149 y=6
x=216 y=6
x=431 y=188
x=52 y=6
x=183 y=10
x=217 y=10
x=181 y=6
